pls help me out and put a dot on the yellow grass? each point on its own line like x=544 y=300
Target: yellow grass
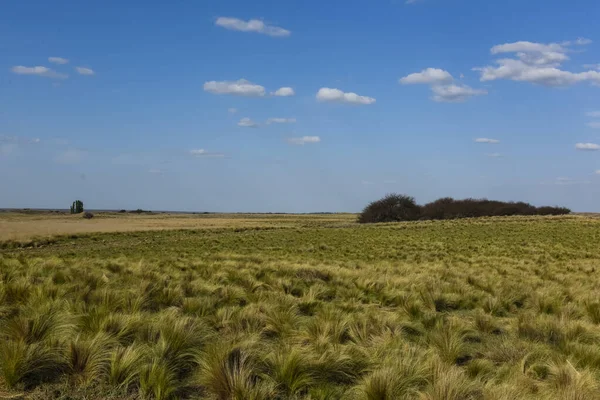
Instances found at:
x=22 y=226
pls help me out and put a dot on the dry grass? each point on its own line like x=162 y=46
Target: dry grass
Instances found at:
x=24 y=226
x=311 y=307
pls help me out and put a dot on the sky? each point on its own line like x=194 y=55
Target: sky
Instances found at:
x=298 y=105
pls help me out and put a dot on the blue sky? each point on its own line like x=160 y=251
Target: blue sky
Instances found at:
x=298 y=106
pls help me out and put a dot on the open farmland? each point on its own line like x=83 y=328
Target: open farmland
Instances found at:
x=299 y=307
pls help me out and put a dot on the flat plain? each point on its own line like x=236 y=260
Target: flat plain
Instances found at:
x=298 y=307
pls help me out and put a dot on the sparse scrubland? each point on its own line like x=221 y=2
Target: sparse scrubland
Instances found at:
x=309 y=307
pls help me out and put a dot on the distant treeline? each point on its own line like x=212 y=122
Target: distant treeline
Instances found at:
x=397 y=207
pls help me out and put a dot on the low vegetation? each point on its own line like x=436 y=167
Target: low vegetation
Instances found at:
x=397 y=207
x=490 y=308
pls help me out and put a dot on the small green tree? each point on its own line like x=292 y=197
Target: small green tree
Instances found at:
x=77 y=207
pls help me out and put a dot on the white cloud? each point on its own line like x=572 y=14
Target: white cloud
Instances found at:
x=84 y=71
x=284 y=92
x=429 y=76
x=549 y=58
x=593 y=114
x=155 y=171
x=336 y=95
x=281 y=121
x=232 y=110
x=18 y=140
x=253 y=25
x=304 y=140
x=71 y=156
x=598 y=172
x=247 y=123
x=39 y=71
x=594 y=124
x=592 y=66
x=587 y=146
x=583 y=41
x=494 y=155
x=536 y=63
x=204 y=153
x=441 y=83
x=58 y=60
x=517 y=70
x=455 y=93
x=241 y=87
x=487 y=140
x=527 y=47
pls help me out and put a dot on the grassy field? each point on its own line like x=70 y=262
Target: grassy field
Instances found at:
x=299 y=307
x=20 y=226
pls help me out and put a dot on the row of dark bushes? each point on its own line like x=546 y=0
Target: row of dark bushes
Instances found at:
x=397 y=207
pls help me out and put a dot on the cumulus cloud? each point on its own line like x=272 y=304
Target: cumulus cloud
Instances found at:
x=241 y=87
x=537 y=63
x=593 y=114
x=253 y=25
x=284 y=92
x=527 y=47
x=58 y=60
x=442 y=85
x=300 y=141
x=232 y=110
x=39 y=71
x=247 y=123
x=598 y=172
x=487 y=140
x=84 y=71
x=587 y=146
x=429 y=76
x=518 y=70
x=592 y=66
x=455 y=93
x=204 y=153
x=594 y=124
x=281 y=121
x=336 y=95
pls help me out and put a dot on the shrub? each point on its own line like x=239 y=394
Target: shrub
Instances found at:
x=392 y=208
x=88 y=215
x=553 y=211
